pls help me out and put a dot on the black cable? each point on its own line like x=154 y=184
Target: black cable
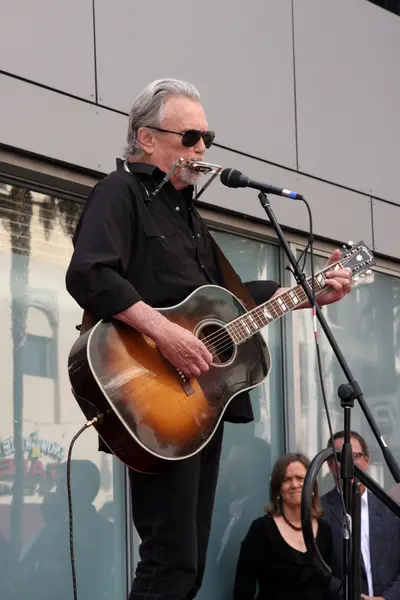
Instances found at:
x=303 y=255
x=310 y=245
x=70 y=515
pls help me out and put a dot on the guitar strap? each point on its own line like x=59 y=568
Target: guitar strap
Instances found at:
x=231 y=279
x=87 y=323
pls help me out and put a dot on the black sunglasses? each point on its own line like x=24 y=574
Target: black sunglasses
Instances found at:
x=191 y=137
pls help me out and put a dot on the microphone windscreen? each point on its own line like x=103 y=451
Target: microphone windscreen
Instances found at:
x=231 y=178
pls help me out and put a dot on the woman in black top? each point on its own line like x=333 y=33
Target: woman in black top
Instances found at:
x=273 y=555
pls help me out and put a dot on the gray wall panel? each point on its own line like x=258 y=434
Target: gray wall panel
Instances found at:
x=58 y=126
x=240 y=56
x=348 y=93
x=386 y=228
x=51 y=42
x=337 y=213
x=95 y=136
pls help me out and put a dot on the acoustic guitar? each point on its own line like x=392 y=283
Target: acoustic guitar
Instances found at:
x=151 y=412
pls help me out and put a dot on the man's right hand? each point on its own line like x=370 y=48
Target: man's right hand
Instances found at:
x=179 y=346
x=183 y=349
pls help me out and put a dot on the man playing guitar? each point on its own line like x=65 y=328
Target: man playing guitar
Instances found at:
x=135 y=250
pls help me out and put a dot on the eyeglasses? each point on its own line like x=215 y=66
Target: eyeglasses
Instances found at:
x=191 y=137
x=356 y=455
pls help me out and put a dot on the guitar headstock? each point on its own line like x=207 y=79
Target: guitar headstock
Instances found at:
x=359 y=258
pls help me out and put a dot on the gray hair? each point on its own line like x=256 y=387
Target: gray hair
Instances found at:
x=148 y=106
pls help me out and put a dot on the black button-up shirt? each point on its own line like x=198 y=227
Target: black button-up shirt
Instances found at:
x=131 y=246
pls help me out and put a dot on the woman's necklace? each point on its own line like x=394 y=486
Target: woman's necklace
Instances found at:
x=289 y=523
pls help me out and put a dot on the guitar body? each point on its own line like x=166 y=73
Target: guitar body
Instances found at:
x=153 y=414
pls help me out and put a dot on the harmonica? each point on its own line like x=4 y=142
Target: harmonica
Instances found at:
x=202 y=167
x=197 y=166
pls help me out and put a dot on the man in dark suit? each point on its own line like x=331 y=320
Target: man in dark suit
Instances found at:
x=380 y=533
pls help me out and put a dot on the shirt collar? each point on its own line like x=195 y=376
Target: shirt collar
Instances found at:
x=153 y=171
x=364 y=496
x=138 y=167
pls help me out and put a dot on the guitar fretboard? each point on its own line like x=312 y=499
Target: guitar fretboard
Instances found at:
x=247 y=325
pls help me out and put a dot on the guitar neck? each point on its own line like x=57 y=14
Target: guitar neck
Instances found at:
x=253 y=321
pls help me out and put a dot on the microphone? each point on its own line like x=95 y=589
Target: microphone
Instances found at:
x=235 y=179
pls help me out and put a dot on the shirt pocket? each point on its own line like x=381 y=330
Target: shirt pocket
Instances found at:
x=164 y=247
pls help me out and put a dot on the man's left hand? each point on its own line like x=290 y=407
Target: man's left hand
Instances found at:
x=337 y=284
x=364 y=597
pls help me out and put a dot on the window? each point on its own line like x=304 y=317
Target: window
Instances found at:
x=37 y=354
x=366 y=325
x=39 y=417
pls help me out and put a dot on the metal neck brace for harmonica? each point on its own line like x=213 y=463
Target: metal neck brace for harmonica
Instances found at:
x=196 y=166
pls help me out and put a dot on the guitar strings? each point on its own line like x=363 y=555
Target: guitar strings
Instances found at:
x=223 y=335
x=214 y=340
x=257 y=315
x=227 y=343
x=224 y=340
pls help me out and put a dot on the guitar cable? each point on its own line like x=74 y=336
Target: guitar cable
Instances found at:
x=69 y=493
x=310 y=246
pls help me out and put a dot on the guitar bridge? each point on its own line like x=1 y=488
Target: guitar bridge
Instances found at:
x=185 y=383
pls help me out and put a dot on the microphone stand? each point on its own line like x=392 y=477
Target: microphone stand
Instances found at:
x=356 y=539
x=346 y=396
x=306 y=514
x=347 y=393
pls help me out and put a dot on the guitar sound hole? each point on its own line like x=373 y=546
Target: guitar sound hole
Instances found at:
x=218 y=342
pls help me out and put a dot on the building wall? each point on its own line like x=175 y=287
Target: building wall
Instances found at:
x=301 y=94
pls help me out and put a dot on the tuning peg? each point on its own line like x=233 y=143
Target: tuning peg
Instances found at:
x=362 y=275
x=350 y=244
x=368 y=271
x=356 y=277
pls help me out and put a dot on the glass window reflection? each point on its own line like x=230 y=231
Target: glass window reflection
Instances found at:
x=366 y=325
x=40 y=416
